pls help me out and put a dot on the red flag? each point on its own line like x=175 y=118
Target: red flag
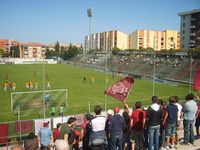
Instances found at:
x=3 y=133
x=120 y=89
x=197 y=79
x=24 y=126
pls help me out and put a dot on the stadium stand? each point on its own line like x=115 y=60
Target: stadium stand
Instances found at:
x=168 y=66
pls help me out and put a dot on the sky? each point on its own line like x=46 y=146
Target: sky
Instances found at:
x=48 y=21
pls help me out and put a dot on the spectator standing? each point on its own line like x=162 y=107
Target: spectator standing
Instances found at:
x=138 y=119
x=98 y=139
x=86 y=129
x=163 y=126
x=197 y=122
x=56 y=132
x=109 y=115
x=31 y=143
x=154 y=116
x=189 y=111
x=116 y=128
x=66 y=131
x=126 y=134
x=46 y=137
x=178 y=118
x=171 y=119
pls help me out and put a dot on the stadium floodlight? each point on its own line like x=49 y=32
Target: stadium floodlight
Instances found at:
x=89 y=13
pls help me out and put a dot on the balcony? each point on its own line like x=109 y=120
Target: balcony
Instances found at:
x=192 y=41
x=192 y=34
x=192 y=27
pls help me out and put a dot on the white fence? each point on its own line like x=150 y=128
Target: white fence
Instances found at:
x=27 y=61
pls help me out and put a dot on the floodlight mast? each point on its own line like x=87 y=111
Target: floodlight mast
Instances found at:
x=89 y=13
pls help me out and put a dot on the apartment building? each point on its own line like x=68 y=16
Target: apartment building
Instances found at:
x=106 y=41
x=6 y=44
x=32 y=50
x=141 y=39
x=190 y=29
x=92 y=41
x=158 y=40
x=172 y=39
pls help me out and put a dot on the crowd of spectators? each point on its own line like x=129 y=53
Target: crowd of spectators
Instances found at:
x=155 y=127
x=167 y=66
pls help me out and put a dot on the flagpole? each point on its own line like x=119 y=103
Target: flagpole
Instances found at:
x=105 y=80
x=154 y=68
x=190 y=73
x=154 y=72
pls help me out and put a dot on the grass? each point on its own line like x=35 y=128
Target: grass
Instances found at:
x=80 y=95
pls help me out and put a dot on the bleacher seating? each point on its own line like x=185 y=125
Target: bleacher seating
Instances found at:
x=167 y=66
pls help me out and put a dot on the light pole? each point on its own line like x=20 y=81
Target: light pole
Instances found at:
x=43 y=84
x=89 y=13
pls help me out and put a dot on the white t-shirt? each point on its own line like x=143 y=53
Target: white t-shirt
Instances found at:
x=179 y=110
x=98 y=123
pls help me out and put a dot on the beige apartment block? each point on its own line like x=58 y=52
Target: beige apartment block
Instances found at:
x=32 y=50
x=158 y=40
x=141 y=39
x=106 y=41
x=172 y=39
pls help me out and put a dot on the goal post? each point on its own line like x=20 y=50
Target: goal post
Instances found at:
x=35 y=99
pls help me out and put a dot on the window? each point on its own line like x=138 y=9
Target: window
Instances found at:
x=182 y=45
x=183 y=38
x=183 y=17
x=184 y=24
x=183 y=31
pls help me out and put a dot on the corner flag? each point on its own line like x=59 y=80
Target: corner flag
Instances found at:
x=197 y=79
x=120 y=90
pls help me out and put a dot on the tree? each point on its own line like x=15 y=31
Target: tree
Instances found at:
x=15 y=51
x=48 y=53
x=57 y=49
x=115 y=50
x=2 y=53
x=71 y=52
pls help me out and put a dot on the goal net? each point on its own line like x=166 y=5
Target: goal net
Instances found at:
x=36 y=99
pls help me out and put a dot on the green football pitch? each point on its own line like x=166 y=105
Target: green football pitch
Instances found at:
x=81 y=96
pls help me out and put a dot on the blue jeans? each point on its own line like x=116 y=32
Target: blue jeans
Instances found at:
x=188 y=131
x=153 y=134
x=117 y=141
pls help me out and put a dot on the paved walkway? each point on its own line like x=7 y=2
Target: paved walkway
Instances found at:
x=196 y=146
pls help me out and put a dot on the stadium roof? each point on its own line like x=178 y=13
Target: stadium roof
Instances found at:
x=189 y=12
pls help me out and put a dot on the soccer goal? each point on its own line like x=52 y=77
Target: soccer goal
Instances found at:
x=35 y=99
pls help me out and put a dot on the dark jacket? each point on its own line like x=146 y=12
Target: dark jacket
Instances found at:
x=117 y=125
x=154 y=115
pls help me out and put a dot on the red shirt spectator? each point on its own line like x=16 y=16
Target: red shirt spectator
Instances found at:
x=139 y=117
x=56 y=132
